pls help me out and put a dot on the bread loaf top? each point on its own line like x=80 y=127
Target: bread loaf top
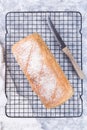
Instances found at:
x=44 y=74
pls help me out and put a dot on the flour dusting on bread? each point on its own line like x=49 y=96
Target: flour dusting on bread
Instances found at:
x=22 y=52
x=42 y=71
x=35 y=61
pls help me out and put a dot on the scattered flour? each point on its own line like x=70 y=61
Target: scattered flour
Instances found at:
x=48 y=83
x=29 y=52
x=58 y=94
x=47 y=80
x=23 y=52
x=35 y=62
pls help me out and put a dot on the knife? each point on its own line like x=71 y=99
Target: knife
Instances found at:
x=65 y=49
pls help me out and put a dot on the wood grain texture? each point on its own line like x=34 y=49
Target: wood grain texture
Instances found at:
x=74 y=63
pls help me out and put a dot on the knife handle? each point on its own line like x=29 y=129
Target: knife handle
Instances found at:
x=74 y=63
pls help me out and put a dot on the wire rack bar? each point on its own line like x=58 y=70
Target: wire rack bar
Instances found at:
x=22 y=101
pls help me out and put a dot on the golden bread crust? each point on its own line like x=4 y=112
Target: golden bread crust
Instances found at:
x=48 y=81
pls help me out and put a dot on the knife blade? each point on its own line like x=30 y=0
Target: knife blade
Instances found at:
x=65 y=49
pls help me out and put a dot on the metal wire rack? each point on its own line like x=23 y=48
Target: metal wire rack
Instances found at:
x=22 y=101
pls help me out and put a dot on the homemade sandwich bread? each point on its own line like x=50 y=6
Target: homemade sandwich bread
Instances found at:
x=42 y=71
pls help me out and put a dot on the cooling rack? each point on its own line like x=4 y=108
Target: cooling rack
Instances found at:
x=22 y=101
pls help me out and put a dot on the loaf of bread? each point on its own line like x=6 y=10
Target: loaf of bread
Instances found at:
x=42 y=71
